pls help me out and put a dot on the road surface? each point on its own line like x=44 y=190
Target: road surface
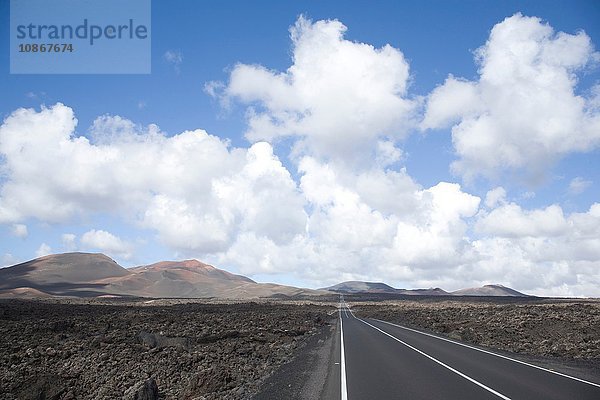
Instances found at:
x=380 y=360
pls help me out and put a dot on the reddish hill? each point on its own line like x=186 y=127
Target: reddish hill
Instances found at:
x=190 y=270
x=85 y=275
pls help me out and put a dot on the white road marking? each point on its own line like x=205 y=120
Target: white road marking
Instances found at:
x=491 y=353
x=344 y=389
x=439 y=362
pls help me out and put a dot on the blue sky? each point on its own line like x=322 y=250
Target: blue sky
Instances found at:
x=197 y=43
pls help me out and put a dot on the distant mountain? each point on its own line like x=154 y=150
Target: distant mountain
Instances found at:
x=79 y=274
x=424 y=292
x=360 y=287
x=379 y=287
x=489 y=290
x=183 y=269
x=90 y=275
x=69 y=267
x=355 y=287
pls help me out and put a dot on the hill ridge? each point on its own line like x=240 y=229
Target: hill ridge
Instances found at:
x=356 y=287
x=95 y=274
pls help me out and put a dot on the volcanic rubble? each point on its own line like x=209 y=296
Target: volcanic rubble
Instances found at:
x=132 y=350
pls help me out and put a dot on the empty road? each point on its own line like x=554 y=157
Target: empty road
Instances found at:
x=379 y=360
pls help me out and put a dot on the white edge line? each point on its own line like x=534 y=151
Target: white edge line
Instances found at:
x=489 y=389
x=344 y=389
x=491 y=353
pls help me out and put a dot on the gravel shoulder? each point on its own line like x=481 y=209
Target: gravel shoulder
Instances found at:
x=305 y=377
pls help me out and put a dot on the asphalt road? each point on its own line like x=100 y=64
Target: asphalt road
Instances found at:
x=379 y=360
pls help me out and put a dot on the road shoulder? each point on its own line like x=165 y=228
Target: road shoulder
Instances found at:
x=309 y=375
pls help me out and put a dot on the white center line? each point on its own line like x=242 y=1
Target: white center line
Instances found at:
x=344 y=389
x=439 y=362
x=491 y=353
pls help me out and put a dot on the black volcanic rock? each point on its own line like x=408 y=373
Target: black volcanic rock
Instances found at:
x=233 y=347
x=147 y=390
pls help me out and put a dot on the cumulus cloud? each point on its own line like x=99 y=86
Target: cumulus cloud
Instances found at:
x=19 y=230
x=106 y=242
x=257 y=194
x=341 y=99
x=510 y=220
x=352 y=233
x=495 y=196
x=348 y=210
x=195 y=190
x=544 y=250
x=523 y=113
x=438 y=238
x=366 y=221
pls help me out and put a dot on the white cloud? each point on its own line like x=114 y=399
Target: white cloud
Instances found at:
x=509 y=220
x=523 y=112
x=578 y=185
x=338 y=216
x=438 y=237
x=441 y=111
x=43 y=250
x=495 y=196
x=106 y=242
x=188 y=187
x=353 y=234
x=339 y=98
x=257 y=194
x=543 y=251
x=19 y=230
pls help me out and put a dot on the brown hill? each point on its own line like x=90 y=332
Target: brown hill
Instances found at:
x=357 y=287
x=361 y=287
x=85 y=275
x=23 y=292
x=189 y=278
x=424 y=292
x=79 y=274
x=381 y=288
x=489 y=290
